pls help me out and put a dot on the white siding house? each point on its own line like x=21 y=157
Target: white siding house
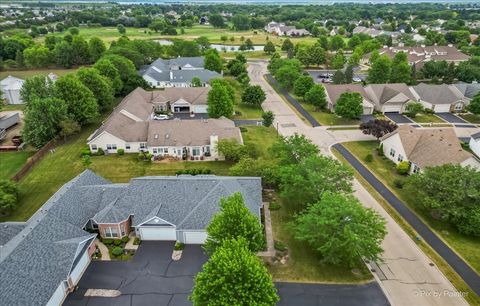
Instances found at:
x=475 y=144
x=11 y=87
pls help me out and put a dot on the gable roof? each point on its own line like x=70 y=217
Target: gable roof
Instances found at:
x=476 y=136
x=168 y=70
x=384 y=93
x=335 y=90
x=468 y=90
x=188 y=202
x=430 y=147
x=436 y=94
x=11 y=83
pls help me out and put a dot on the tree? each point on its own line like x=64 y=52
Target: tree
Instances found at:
x=266 y=168
x=338 y=77
x=37 y=86
x=42 y=120
x=241 y=22
x=401 y=72
x=451 y=192
x=234 y=221
x=204 y=43
x=338 y=60
x=81 y=103
x=220 y=101
x=196 y=82
x=74 y=31
x=304 y=182
x=403 y=167
x=96 y=48
x=380 y=71
x=412 y=109
x=216 y=20
x=337 y=43
x=99 y=85
x=64 y=54
x=450 y=74
x=108 y=70
x=121 y=29
x=293 y=149
x=253 y=95
x=236 y=68
x=349 y=105
x=80 y=51
x=269 y=48
x=234 y=276
x=287 y=45
x=474 y=106
x=212 y=60
x=316 y=96
x=37 y=56
x=8 y=196
x=68 y=127
x=287 y=73
x=268 y=118
x=125 y=67
x=302 y=85
x=349 y=74
x=341 y=230
x=378 y=127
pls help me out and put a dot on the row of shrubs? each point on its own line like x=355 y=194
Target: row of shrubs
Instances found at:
x=108 y=241
x=86 y=151
x=194 y=171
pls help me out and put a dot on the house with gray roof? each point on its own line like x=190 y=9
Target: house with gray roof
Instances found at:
x=134 y=128
x=474 y=143
x=390 y=98
x=439 y=98
x=43 y=259
x=177 y=72
x=467 y=90
x=334 y=91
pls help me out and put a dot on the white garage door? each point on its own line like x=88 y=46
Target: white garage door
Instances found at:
x=80 y=267
x=442 y=108
x=392 y=108
x=158 y=233
x=195 y=237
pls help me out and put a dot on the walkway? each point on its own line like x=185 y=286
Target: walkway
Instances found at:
x=103 y=249
x=457 y=263
x=407 y=272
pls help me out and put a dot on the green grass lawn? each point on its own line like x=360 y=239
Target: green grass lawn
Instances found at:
x=246 y=111
x=262 y=137
x=12 y=107
x=465 y=246
x=428 y=118
x=303 y=264
x=11 y=162
x=23 y=74
x=471 y=118
x=328 y=118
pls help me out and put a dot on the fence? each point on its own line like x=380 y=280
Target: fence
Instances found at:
x=32 y=161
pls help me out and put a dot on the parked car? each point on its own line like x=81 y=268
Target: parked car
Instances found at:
x=160 y=117
x=356 y=79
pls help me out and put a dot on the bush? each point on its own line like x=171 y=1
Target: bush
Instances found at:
x=403 y=167
x=380 y=150
x=428 y=111
x=398 y=183
x=136 y=241
x=274 y=206
x=125 y=239
x=179 y=246
x=369 y=158
x=85 y=151
x=194 y=171
x=117 y=251
x=117 y=242
x=126 y=257
x=280 y=246
x=107 y=241
x=100 y=152
x=243 y=129
x=120 y=152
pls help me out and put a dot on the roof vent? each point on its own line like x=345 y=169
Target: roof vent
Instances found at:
x=155 y=136
x=167 y=136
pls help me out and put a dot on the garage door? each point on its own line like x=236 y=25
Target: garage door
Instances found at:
x=392 y=108
x=158 y=233
x=80 y=267
x=442 y=108
x=195 y=237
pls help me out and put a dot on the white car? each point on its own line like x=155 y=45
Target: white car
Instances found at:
x=160 y=117
x=356 y=79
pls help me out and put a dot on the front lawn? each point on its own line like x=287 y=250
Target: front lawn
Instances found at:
x=11 y=162
x=303 y=263
x=471 y=118
x=325 y=118
x=245 y=111
x=260 y=136
x=427 y=118
x=384 y=169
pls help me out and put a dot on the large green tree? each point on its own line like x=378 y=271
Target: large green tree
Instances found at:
x=37 y=86
x=96 y=48
x=37 y=56
x=451 y=192
x=220 y=101
x=125 y=67
x=99 y=85
x=253 y=95
x=293 y=149
x=317 y=96
x=401 y=72
x=42 y=120
x=380 y=71
x=64 y=54
x=341 y=230
x=234 y=276
x=108 y=70
x=349 y=105
x=81 y=103
x=234 y=221
x=302 y=85
x=474 y=105
x=213 y=61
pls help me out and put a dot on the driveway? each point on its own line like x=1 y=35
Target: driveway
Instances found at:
x=398 y=118
x=452 y=118
x=153 y=278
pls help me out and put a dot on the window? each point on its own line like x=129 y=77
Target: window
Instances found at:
x=458 y=106
x=111 y=146
x=143 y=145
x=416 y=169
x=111 y=232
x=122 y=229
x=400 y=157
x=392 y=152
x=127 y=146
x=196 y=151
x=207 y=149
x=93 y=147
x=154 y=150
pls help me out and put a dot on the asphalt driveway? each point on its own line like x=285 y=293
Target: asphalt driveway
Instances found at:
x=457 y=121
x=398 y=118
x=152 y=278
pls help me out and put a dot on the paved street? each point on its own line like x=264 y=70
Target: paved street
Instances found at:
x=406 y=274
x=153 y=278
